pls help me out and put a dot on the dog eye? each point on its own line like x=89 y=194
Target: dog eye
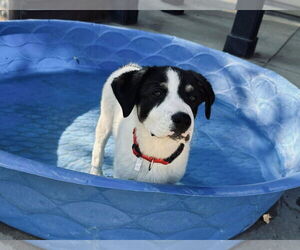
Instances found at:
x=192 y=98
x=157 y=93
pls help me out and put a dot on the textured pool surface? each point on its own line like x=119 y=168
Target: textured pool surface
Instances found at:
x=52 y=73
x=51 y=118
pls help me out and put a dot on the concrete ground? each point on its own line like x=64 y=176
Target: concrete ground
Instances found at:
x=278 y=49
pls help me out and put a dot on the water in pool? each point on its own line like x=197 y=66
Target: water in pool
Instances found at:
x=51 y=118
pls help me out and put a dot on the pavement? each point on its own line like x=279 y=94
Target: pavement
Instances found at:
x=278 y=49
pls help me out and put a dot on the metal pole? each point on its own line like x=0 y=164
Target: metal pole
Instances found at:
x=243 y=38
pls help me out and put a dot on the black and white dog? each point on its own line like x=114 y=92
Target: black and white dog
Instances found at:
x=151 y=112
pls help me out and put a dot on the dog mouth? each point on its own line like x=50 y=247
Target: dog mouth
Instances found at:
x=174 y=136
x=177 y=137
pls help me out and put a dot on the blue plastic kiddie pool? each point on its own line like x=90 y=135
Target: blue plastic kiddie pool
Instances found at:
x=52 y=73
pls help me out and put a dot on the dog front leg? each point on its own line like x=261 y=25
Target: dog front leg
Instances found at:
x=103 y=131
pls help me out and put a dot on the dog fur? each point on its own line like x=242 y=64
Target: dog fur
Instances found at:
x=146 y=99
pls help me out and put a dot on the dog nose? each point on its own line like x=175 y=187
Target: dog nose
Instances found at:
x=182 y=122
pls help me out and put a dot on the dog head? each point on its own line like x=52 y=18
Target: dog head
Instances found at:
x=167 y=98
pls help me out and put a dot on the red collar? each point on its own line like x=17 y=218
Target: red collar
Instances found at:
x=137 y=152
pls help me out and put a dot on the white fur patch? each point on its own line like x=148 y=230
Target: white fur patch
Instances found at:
x=159 y=121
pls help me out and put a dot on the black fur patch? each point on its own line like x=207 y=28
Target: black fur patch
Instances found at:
x=152 y=92
x=145 y=89
x=202 y=90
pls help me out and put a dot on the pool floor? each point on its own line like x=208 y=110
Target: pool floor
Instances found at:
x=51 y=118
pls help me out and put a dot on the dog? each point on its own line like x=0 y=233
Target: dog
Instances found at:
x=150 y=111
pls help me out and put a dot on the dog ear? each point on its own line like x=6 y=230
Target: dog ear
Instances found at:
x=207 y=92
x=126 y=88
